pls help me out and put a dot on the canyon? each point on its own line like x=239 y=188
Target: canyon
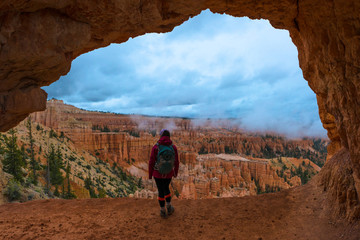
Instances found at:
x=39 y=39
x=215 y=160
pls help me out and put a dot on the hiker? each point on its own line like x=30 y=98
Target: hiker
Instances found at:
x=163 y=165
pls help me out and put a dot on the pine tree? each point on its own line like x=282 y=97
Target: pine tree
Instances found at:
x=68 y=194
x=24 y=156
x=55 y=163
x=33 y=162
x=49 y=158
x=13 y=158
x=140 y=185
x=63 y=190
x=102 y=193
x=89 y=186
x=57 y=177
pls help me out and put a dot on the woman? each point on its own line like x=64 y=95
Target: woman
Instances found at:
x=163 y=165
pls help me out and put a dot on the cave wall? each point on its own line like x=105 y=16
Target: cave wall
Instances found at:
x=40 y=38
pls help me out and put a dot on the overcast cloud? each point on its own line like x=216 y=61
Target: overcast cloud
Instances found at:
x=212 y=66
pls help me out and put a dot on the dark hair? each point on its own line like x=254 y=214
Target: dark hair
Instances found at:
x=166 y=133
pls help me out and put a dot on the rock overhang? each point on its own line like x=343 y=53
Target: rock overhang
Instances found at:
x=39 y=39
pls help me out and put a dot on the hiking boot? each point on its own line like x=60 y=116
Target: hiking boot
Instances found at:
x=163 y=213
x=170 y=210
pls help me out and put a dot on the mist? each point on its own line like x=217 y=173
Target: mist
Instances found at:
x=211 y=67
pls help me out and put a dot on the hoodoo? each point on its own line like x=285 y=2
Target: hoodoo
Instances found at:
x=39 y=39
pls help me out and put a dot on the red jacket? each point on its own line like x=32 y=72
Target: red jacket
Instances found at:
x=164 y=140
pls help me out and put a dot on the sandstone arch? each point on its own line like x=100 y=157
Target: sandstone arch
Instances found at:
x=39 y=39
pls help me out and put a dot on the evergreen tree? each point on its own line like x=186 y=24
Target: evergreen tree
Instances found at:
x=140 y=185
x=55 y=163
x=24 y=156
x=56 y=192
x=102 y=193
x=33 y=163
x=49 y=158
x=13 y=158
x=68 y=193
x=63 y=190
x=89 y=186
x=55 y=173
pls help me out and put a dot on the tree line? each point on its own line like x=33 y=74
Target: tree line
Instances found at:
x=22 y=164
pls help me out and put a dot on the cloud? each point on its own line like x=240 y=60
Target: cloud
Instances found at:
x=212 y=66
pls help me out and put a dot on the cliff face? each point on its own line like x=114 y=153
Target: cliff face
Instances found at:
x=39 y=39
x=207 y=168
x=223 y=175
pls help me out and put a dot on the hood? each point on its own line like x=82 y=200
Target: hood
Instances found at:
x=165 y=140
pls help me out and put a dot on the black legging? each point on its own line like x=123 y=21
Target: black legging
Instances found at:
x=163 y=189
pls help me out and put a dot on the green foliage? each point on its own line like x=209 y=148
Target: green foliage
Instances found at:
x=203 y=150
x=67 y=192
x=13 y=190
x=105 y=129
x=102 y=193
x=140 y=184
x=304 y=172
x=258 y=187
x=125 y=182
x=318 y=157
x=34 y=165
x=72 y=158
x=56 y=192
x=14 y=159
x=229 y=150
x=268 y=152
x=90 y=186
x=268 y=188
x=53 y=134
x=102 y=129
x=55 y=162
x=289 y=150
x=38 y=128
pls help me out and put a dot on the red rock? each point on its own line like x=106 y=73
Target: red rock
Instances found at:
x=38 y=41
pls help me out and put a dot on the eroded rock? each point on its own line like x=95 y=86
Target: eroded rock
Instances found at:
x=39 y=39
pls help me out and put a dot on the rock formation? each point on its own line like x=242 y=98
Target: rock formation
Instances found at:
x=126 y=140
x=223 y=175
x=39 y=39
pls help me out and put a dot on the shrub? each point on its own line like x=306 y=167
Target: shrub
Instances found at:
x=13 y=191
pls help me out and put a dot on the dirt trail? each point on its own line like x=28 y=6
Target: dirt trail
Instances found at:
x=292 y=214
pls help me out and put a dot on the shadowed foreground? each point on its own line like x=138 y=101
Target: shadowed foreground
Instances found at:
x=291 y=214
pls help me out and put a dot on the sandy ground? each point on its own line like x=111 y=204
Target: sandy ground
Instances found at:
x=292 y=214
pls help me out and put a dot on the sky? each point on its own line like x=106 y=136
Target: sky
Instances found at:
x=212 y=66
